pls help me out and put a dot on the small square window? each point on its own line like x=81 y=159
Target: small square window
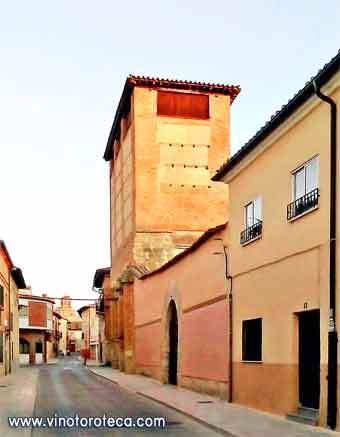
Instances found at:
x=23 y=311
x=252 y=340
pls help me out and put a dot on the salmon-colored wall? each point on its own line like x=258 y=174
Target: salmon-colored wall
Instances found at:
x=204 y=342
x=198 y=286
x=148 y=345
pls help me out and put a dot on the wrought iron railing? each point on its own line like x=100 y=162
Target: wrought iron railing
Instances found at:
x=252 y=232
x=303 y=204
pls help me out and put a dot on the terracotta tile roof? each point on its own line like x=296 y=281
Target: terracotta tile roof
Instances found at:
x=323 y=75
x=202 y=239
x=132 y=81
x=232 y=90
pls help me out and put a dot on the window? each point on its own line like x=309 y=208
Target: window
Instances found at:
x=252 y=340
x=305 y=178
x=253 y=212
x=24 y=347
x=49 y=312
x=23 y=311
x=305 y=191
x=1 y=295
x=1 y=348
x=253 y=221
x=185 y=105
x=38 y=347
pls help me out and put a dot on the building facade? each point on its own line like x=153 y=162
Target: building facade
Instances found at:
x=35 y=327
x=101 y=284
x=181 y=335
x=74 y=336
x=167 y=140
x=283 y=257
x=63 y=336
x=91 y=331
x=11 y=279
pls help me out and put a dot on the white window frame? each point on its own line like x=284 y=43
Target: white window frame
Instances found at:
x=295 y=171
x=252 y=202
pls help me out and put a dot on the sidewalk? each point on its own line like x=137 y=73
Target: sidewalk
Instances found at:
x=214 y=413
x=17 y=397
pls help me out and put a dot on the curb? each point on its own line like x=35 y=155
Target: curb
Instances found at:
x=178 y=410
x=101 y=376
x=190 y=416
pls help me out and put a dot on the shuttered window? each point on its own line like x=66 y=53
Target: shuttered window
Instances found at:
x=1 y=295
x=182 y=104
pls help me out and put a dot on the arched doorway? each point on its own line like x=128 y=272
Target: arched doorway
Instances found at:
x=173 y=343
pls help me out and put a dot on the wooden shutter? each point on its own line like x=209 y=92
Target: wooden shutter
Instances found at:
x=182 y=104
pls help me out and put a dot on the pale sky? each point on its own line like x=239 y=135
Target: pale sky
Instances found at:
x=62 y=69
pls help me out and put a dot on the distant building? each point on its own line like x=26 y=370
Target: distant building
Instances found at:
x=91 y=331
x=71 y=329
x=63 y=335
x=101 y=282
x=74 y=336
x=56 y=333
x=66 y=310
x=36 y=326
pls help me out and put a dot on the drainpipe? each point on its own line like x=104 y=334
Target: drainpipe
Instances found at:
x=230 y=303
x=332 y=333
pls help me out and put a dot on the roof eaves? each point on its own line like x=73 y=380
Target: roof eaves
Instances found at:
x=99 y=276
x=18 y=277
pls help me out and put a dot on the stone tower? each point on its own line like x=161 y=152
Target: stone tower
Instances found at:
x=167 y=140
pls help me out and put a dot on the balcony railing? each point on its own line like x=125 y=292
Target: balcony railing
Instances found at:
x=251 y=233
x=303 y=204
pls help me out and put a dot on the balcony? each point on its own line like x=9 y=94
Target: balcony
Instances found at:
x=303 y=204
x=251 y=233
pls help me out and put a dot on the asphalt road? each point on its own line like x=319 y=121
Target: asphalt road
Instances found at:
x=67 y=388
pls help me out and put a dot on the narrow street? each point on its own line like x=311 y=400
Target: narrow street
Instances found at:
x=67 y=388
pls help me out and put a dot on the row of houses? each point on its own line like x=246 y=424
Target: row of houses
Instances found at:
x=32 y=329
x=224 y=269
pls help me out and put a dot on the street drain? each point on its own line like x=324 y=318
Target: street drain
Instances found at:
x=3 y=386
x=205 y=402
x=171 y=422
